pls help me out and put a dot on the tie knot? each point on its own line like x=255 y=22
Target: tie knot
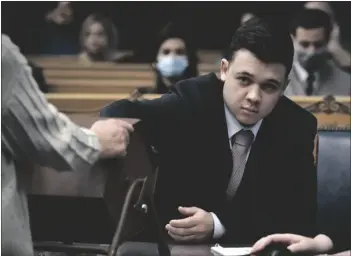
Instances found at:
x=243 y=138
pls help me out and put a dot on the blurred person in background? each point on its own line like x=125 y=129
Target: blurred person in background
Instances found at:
x=35 y=28
x=99 y=40
x=246 y=16
x=175 y=59
x=62 y=14
x=314 y=71
x=335 y=46
x=49 y=27
x=59 y=30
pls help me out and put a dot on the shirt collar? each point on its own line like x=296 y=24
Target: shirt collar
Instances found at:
x=302 y=73
x=234 y=126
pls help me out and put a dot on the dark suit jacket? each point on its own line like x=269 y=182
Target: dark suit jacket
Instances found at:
x=187 y=127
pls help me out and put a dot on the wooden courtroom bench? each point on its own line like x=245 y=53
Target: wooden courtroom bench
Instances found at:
x=73 y=63
x=64 y=65
x=79 y=65
x=67 y=74
x=98 y=81
x=98 y=74
x=87 y=102
x=102 y=74
x=204 y=56
x=73 y=85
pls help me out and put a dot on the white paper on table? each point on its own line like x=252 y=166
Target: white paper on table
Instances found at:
x=230 y=251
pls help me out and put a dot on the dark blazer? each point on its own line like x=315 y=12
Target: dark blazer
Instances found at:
x=187 y=126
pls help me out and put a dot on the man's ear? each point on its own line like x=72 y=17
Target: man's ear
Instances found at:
x=224 y=69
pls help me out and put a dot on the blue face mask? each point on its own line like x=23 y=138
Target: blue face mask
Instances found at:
x=172 y=66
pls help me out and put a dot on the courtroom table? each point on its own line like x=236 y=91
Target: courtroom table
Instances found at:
x=150 y=249
x=143 y=249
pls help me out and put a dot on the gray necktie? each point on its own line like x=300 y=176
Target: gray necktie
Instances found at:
x=241 y=143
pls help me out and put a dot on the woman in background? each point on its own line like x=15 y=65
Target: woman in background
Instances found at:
x=175 y=60
x=99 y=40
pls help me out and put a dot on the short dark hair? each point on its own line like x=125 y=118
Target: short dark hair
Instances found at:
x=311 y=19
x=270 y=42
x=179 y=29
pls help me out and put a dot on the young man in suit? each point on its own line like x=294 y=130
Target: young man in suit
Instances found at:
x=213 y=135
x=315 y=71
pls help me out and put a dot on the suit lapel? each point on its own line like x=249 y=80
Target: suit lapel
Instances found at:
x=227 y=153
x=258 y=152
x=220 y=138
x=261 y=168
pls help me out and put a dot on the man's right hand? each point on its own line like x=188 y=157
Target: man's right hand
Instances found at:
x=113 y=136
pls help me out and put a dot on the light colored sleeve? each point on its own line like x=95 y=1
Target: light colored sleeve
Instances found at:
x=218 y=228
x=33 y=128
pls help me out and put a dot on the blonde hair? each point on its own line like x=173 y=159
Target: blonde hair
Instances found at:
x=109 y=29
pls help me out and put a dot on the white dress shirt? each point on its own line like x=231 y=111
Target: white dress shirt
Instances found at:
x=233 y=127
x=303 y=75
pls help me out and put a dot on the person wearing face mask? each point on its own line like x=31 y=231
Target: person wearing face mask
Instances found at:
x=314 y=70
x=175 y=60
x=171 y=63
x=337 y=45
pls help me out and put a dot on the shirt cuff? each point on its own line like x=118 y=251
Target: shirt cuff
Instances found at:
x=218 y=228
x=94 y=142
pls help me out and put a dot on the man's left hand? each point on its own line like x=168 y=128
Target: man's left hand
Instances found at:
x=197 y=226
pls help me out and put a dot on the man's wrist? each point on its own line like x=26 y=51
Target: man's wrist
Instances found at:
x=218 y=228
x=94 y=140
